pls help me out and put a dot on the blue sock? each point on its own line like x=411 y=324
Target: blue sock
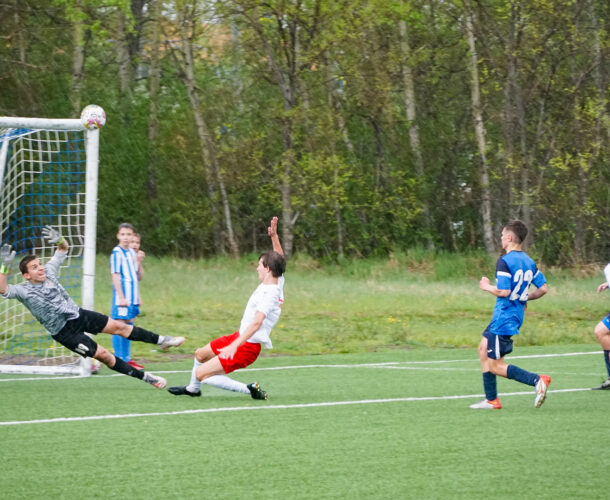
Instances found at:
x=489 y=384
x=121 y=347
x=607 y=360
x=520 y=375
x=117 y=346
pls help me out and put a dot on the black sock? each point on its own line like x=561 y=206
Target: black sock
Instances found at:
x=122 y=367
x=139 y=334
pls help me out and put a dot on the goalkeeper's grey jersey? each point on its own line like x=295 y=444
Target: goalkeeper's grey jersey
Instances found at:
x=48 y=302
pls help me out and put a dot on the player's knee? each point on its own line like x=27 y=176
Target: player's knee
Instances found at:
x=601 y=331
x=117 y=327
x=104 y=355
x=204 y=353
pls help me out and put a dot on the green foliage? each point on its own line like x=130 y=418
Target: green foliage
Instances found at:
x=304 y=81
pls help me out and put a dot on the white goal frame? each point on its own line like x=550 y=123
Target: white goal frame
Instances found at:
x=82 y=368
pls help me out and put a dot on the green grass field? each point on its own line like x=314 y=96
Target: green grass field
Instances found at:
x=370 y=382
x=370 y=425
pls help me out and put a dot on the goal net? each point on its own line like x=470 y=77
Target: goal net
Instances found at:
x=48 y=176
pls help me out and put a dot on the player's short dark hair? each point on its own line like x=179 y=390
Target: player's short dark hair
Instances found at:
x=275 y=262
x=23 y=265
x=518 y=228
x=127 y=225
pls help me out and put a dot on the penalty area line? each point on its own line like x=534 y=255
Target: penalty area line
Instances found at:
x=270 y=407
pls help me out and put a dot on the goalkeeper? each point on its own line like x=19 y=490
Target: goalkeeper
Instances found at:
x=51 y=305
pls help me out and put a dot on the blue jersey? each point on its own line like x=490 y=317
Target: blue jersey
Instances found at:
x=515 y=271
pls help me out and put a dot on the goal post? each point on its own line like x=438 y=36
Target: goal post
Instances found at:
x=48 y=176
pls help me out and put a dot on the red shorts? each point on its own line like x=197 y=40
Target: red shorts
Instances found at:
x=245 y=355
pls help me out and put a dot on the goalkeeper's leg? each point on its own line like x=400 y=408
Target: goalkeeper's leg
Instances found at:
x=118 y=365
x=140 y=334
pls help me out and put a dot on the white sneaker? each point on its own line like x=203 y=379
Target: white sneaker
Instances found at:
x=487 y=405
x=541 y=387
x=155 y=380
x=168 y=341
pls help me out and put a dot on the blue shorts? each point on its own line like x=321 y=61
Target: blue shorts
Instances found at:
x=606 y=321
x=498 y=346
x=125 y=312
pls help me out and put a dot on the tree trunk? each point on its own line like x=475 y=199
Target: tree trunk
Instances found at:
x=411 y=113
x=122 y=48
x=78 y=63
x=153 y=120
x=479 y=129
x=288 y=85
x=208 y=148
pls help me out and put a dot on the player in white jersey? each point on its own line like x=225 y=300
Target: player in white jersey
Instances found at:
x=602 y=333
x=68 y=324
x=231 y=352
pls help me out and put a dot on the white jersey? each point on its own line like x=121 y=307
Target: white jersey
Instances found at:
x=607 y=274
x=267 y=299
x=123 y=262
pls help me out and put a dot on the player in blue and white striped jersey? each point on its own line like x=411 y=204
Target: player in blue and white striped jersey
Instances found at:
x=515 y=272
x=125 y=272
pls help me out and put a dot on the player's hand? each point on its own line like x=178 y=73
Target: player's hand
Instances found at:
x=227 y=352
x=602 y=287
x=484 y=283
x=272 y=229
x=52 y=235
x=123 y=302
x=6 y=256
x=140 y=256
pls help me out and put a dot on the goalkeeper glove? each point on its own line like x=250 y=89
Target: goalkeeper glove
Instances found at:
x=6 y=256
x=51 y=234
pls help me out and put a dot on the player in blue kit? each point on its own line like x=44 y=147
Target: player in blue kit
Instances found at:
x=602 y=333
x=515 y=272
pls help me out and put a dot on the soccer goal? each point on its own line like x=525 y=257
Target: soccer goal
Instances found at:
x=48 y=175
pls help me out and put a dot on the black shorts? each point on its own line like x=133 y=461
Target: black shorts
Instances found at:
x=72 y=335
x=498 y=346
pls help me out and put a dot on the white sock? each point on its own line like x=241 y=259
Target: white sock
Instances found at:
x=226 y=383
x=194 y=384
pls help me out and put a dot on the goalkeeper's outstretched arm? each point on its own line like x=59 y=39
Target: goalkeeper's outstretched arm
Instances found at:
x=7 y=254
x=53 y=236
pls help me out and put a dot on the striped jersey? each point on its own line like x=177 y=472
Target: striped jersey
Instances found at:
x=48 y=302
x=515 y=271
x=123 y=262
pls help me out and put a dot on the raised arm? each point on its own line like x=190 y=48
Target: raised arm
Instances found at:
x=7 y=255
x=275 y=239
x=55 y=238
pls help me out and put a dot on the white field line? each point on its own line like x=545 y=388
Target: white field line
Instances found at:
x=270 y=407
x=390 y=364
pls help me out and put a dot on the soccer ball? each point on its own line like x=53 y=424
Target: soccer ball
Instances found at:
x=93 y=116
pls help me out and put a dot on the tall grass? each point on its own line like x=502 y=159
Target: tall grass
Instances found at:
x=415 y=298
